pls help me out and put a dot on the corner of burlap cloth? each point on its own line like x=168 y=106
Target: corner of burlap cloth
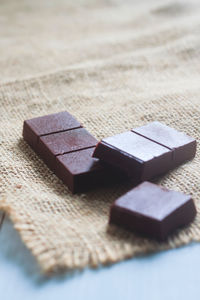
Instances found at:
x=145 y=77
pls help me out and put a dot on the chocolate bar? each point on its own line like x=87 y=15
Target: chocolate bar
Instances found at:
x=146 y=152
x=67 y=147
x=152 y=210
x=183 y=147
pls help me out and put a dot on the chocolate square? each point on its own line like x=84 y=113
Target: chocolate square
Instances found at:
x=152 y=210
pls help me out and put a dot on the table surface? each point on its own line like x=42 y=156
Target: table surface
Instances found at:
x=172 y=274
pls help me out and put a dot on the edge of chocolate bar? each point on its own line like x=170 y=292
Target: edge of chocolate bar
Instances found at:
x=118 y=156
x=182 y=145
x=152 y=160
x=48 y=124
x=52 y=146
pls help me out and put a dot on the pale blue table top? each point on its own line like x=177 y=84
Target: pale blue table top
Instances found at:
x=173 y=275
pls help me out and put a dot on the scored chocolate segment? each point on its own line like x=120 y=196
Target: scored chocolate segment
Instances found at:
x=67 y=149
x=153 y=210
x=52 y=145
x=48 y=124
x=80 y=171
x=183 y=146
x=146 y=151
x=137 y=156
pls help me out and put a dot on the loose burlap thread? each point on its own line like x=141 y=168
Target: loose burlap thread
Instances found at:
x=114 y=65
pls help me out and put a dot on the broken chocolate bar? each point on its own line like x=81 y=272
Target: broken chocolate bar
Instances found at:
x=153 y=210
x=146 y=152
x=67 y=149
x=182 y=145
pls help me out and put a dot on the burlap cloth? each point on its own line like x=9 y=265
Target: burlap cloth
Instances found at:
x=114 y=65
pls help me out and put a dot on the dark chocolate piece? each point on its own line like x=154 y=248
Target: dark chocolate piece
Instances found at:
x=67 y=150
x=153 y=210
x=138 y=157
x=182 y=145
x=55 y=144
x=36 y=127
x=80 y=171
x=147 y=151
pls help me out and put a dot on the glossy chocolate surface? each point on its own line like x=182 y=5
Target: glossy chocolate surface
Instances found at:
x=182 y=145
x=138 y=157
x=141 y=156
x=136 y=146
x=153 y=210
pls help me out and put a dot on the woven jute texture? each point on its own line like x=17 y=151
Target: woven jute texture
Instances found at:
x=114 y=65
